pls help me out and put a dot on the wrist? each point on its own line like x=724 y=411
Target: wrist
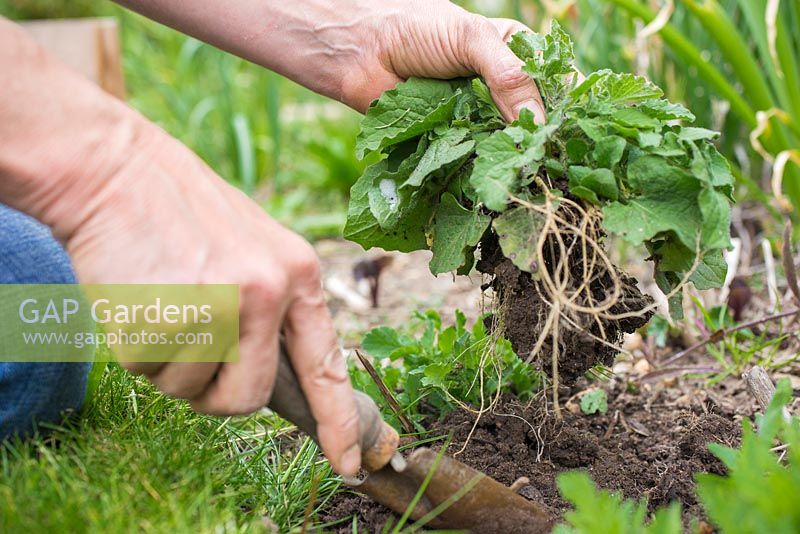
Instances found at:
x=66 y=189
x=62 y=136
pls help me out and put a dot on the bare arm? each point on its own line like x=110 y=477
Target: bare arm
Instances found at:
x=353 y=50
x=133 y=205
x=59 y=132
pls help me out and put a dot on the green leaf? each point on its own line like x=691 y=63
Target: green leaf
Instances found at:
x=548 y=60
x=593 y=128
x=668 y=202
x=649 y=139
x=666 y=520
x=496 y=172
x=759 y=491
x=634 y=118
x=710 y=272
x=594 y=402
x=405 y=234
x=442 y=151
x=615 y=88
x=518 y=232
x=486 y=106
x=608 y=151
x=587 y=84
x=435 y=373
x=716 y=211
x=526 y=45
x=665 y=110
x=613 y=136
x=381 y=342
x=577 y=149
x=455 y=230
x=601 y=182
x=691 y=133
x=410 y=109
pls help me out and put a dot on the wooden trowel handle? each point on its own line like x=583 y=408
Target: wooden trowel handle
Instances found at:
x=378 y=440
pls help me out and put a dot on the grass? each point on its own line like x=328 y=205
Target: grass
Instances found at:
x=139 y=461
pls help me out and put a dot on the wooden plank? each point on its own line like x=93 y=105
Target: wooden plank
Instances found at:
x=90 y=46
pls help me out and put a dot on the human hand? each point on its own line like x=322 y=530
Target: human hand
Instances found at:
x=162 y=216
x=436 y=39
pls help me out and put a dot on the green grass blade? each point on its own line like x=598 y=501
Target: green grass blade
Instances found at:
x=685 y=50
x=447 y=503
x=273 y=97
x=790 y=69
x=734 y=46
x=753 y=16
x=244 y=152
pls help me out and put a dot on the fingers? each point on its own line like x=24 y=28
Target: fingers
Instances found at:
x=245 y=386
x=322 y=371
x=184 y=380
x=366 y=86
x=489 y=55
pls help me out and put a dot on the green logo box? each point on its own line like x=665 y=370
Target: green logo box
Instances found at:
x=138 y=322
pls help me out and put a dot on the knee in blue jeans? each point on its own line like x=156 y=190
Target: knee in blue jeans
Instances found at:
x=35 y=391
x=39 y=392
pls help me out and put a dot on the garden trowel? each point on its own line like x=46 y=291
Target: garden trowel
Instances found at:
x=454 y=495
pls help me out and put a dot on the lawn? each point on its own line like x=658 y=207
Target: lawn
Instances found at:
x=136 y=460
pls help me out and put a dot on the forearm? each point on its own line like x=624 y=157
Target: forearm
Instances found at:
x=61 y=137
x=354 y=50
x=308 y=41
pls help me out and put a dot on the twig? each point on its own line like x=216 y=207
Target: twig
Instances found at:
x=788 y=262
x=719 y=335
x=762 y=388
x=387 y=395
x=669 y=372
x=611 y=426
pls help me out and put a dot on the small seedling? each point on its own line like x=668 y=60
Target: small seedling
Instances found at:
x=432 y=369
x=594 y=402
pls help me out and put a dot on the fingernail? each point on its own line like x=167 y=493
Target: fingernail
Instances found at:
x=535 y=107
x=351 y=460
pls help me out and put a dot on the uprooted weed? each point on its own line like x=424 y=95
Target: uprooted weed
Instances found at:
x=576 y=304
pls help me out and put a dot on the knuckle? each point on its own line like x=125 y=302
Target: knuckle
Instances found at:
x=344 y=430
x=471 y=37
x=269 y=287
x=510 y=77
x=327 y=378
x=349 y=427
x=476 y=27
x=307 y=265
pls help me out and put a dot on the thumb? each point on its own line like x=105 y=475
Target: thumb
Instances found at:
x=511 y=88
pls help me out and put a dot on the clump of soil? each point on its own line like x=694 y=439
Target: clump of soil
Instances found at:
x=524 y=309
x=647 y=446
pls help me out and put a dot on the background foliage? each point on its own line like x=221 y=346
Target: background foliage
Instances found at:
x=726 y=60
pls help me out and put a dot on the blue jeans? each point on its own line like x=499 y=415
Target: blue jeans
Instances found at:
x=35 y=392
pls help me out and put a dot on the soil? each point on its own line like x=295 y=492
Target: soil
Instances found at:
x=524 y=312
x=649 y=444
